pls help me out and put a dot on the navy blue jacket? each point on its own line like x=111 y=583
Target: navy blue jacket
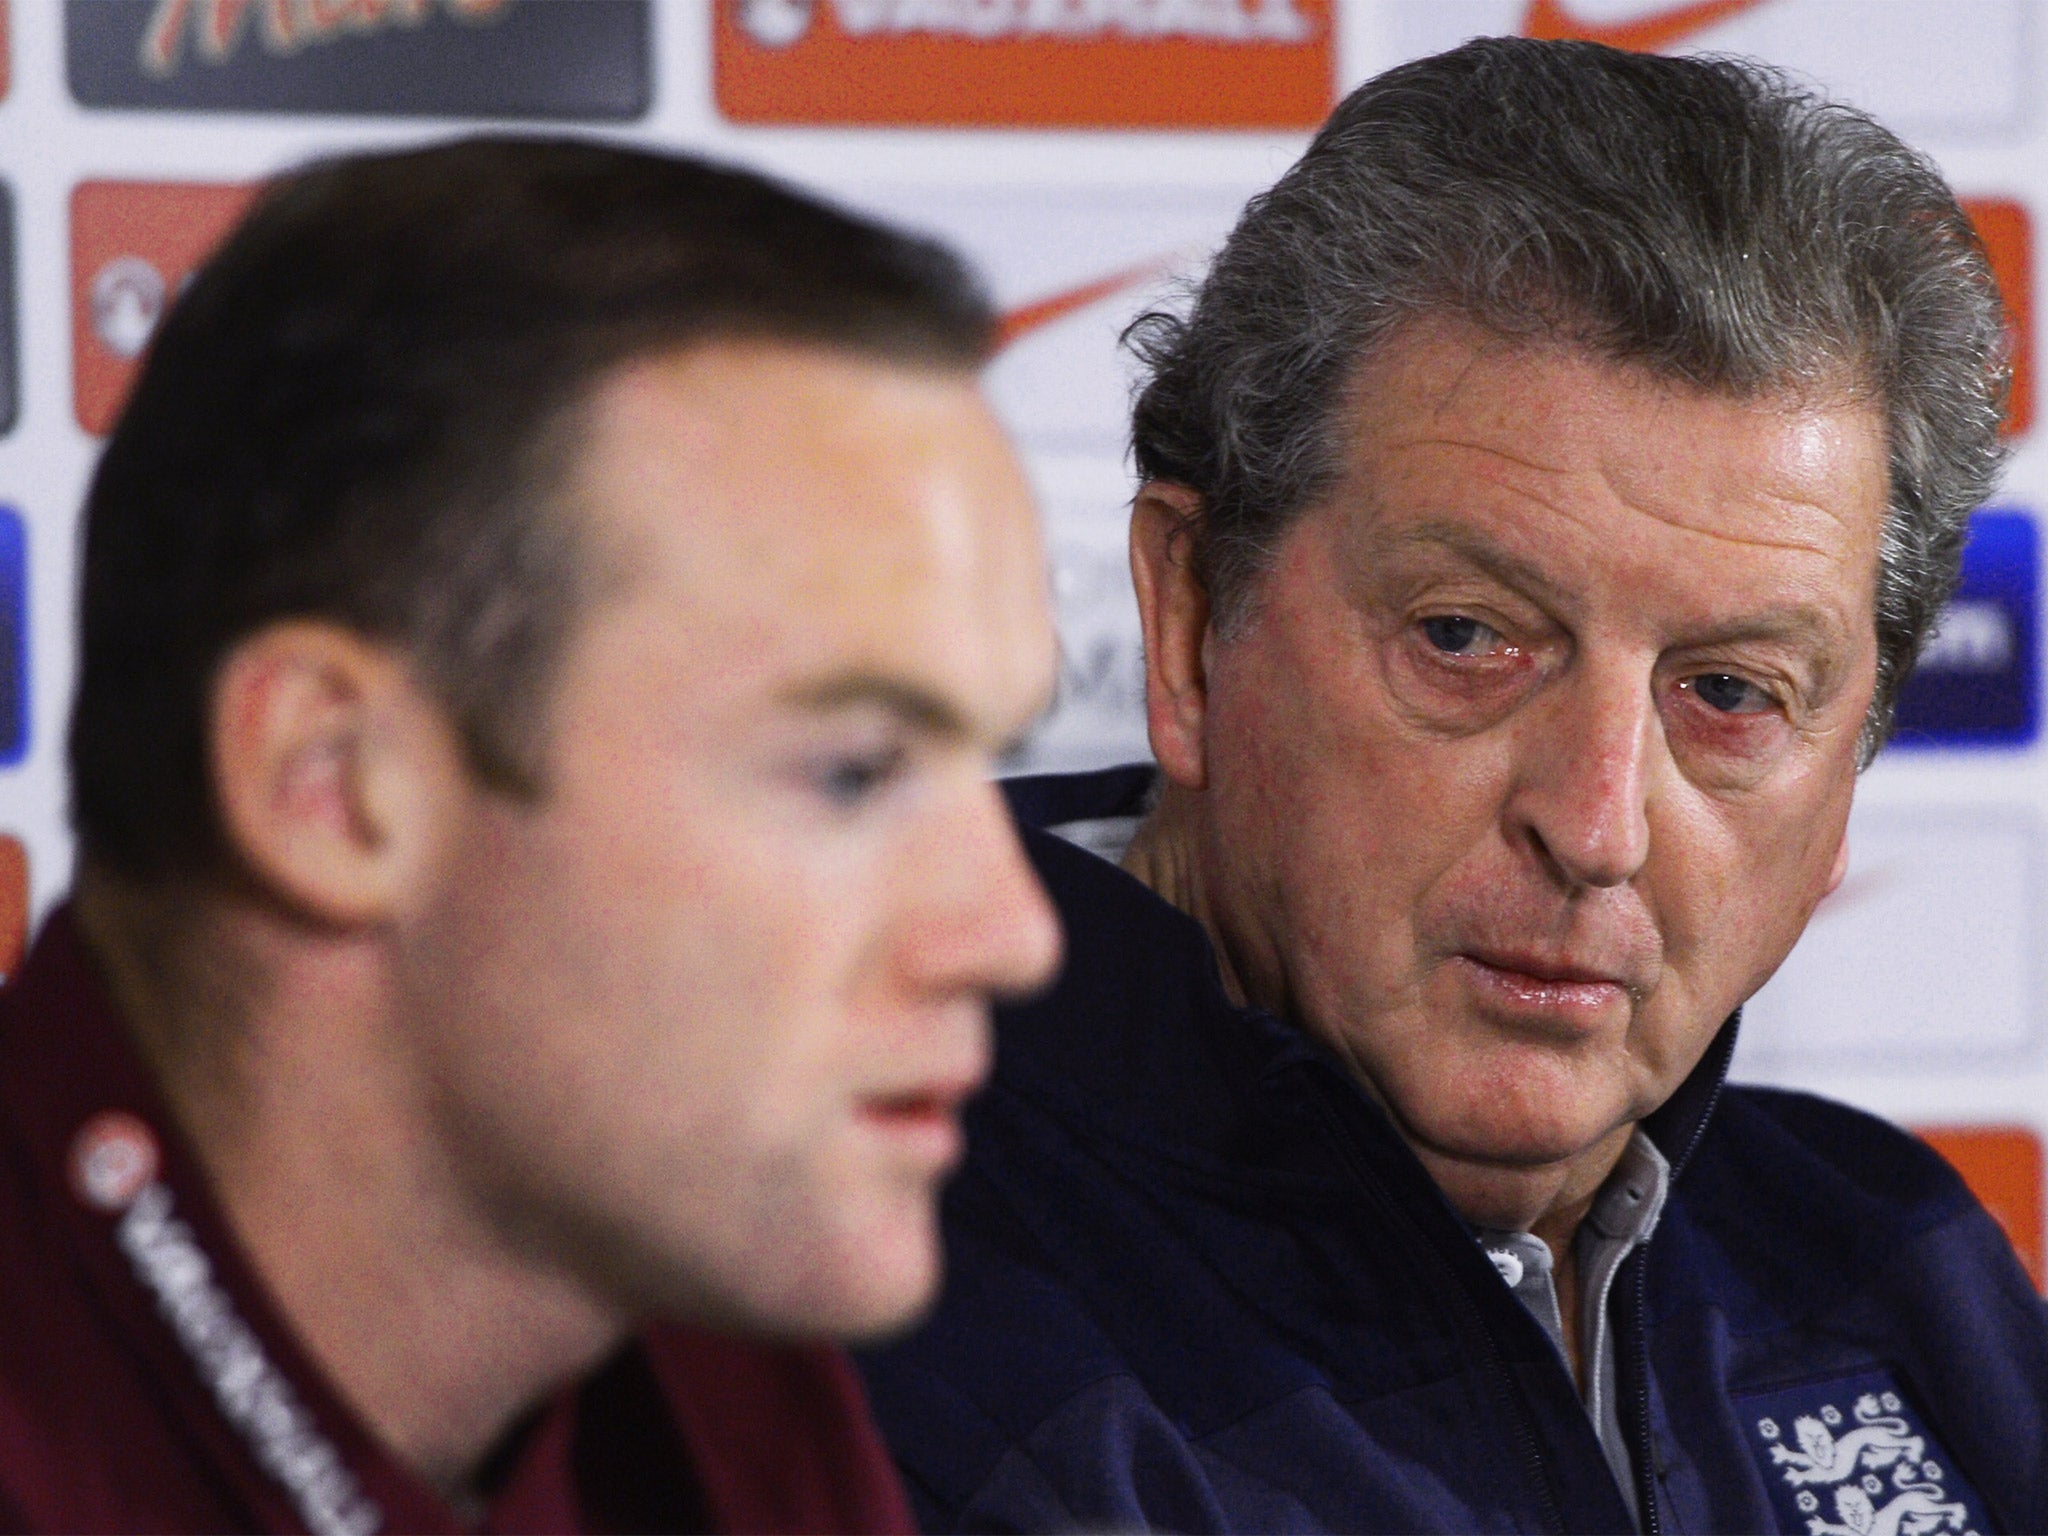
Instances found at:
x=1196 y=1282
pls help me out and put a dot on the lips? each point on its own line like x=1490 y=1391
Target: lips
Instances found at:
x=1543 y=969
x=917 y=1103
x=924 y=1129
x=1546 y=989
x=924 y=1118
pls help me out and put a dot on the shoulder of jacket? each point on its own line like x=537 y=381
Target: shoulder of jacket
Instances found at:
x=1805 y=1142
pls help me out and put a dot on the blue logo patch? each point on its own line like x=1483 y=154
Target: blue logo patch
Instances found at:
x=13 y=638
x=1853 y=1457
x=1978 y=682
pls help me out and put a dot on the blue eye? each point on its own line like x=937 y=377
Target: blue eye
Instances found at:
x=848 y=781
x=1729 y=694
x=1456 y=635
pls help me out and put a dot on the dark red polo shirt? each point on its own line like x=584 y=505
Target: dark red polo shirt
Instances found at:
x=148 y=1383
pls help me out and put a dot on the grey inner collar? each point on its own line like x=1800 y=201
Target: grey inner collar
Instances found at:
x=1623 y=1214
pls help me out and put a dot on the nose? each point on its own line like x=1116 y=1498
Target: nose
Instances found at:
x=986 y=923
x=1581 y=787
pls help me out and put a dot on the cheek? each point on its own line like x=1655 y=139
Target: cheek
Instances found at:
x=1290 y=712
x=1340 y=824
x=1740 y=883
x=700 y=953
x=768 y=960
x=1268 y=764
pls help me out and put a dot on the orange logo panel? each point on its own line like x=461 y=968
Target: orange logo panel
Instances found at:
x=13 y=904
x=6 y=54
x=970 y=64
x=2009 y=242
x=2002 y=1166
x=133 y=244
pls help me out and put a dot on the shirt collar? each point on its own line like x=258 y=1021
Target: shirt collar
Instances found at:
x=1632 y=1198
x=1624 y=1211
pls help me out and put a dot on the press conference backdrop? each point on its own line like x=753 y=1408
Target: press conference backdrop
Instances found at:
x=1087 y=154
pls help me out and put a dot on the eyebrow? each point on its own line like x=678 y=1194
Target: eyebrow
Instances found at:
x=1794 y=622
x=1510 y=570
x=1791 y=621
x=910 y=703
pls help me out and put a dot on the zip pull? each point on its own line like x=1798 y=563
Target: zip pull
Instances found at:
x=1509 y=1263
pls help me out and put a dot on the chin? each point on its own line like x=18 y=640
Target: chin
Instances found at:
x=839 y=1268
x=1507 y=1131
x=892 y=1283
x=860 y=1285
x=1519 y=1105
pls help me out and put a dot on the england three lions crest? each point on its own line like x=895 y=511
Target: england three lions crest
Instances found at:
x=1852 y=1457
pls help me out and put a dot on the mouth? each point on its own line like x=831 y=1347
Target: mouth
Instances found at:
x=1543 y=989
x=922 y=1122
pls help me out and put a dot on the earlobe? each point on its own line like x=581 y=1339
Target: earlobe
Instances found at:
x=330 y=770
x=1840 y=872
x=1173 y=610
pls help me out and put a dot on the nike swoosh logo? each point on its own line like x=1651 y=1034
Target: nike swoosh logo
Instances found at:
x=1667 y=28
x=1020 y=322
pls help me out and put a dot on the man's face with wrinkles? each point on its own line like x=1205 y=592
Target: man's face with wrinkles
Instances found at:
x=1536 y=754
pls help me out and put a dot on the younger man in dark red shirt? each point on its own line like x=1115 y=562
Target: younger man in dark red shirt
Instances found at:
x=548 y=614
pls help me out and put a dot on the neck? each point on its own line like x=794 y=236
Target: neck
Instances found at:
x=286 y=1063
x=1165 y=853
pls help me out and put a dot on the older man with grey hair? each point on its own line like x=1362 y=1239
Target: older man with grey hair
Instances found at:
x=1543 y=501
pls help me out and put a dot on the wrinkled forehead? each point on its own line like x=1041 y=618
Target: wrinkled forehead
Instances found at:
x=1559 y=405
x=1814 y=378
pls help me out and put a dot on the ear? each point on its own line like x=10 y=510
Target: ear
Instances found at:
x=1841 y=870
x=337 y=778
x=1173 y=609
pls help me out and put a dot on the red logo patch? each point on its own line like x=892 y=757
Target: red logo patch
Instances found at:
x=13 y=904
x=133 y=244
x=2009 y=245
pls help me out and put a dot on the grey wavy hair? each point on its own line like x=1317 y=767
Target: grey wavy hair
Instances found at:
x=1701 y=217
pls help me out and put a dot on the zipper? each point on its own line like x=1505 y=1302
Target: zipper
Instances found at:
x=1635 y=1363
x=1699 y=1129
x=1636 y=1366
x=1473 y=1324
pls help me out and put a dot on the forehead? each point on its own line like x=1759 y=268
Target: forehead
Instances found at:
x=793 y=507
x=1453 y=428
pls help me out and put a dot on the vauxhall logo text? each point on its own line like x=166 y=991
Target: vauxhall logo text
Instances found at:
x=778 y=23
x=250 y=1390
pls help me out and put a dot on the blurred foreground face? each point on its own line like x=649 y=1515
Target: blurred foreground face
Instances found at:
x=702 y=1017
x=1536 y=755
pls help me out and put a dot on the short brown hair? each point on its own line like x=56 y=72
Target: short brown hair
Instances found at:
x=361 y=407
